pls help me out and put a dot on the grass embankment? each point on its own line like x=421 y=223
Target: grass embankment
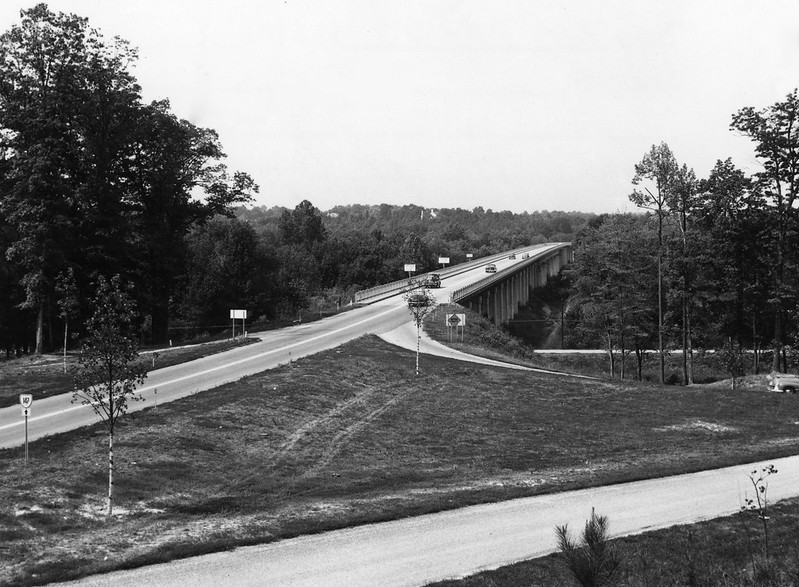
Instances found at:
x=43 y=375
x=351 y=436
x=483 y=338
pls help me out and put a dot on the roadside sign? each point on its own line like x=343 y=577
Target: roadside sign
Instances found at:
x=25 y=400
x=26 y=412
x=410 y=267
x=470 y=255
x=238 y=314
x=443 y=260
x=455 y=321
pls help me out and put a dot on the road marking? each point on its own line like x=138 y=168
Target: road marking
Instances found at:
x=217 y=368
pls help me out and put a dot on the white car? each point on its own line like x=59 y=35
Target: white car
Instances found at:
x=783 y=382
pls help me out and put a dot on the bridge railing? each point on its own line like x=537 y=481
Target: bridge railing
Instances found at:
x=464 y=292
x=401 y=285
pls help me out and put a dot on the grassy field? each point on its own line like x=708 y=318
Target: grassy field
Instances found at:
x=43 y=376
x=351 y=436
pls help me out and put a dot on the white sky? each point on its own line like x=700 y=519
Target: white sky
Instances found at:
x=510 y=105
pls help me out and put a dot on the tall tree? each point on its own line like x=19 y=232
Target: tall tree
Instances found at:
x=610 y=276
x=303 y=225
x=42 y=85
x=659 y=167
x=683 y=202
x=775 y=132
x=107 y=372
x=68 y=302
x=172 y=160
x=732 y=215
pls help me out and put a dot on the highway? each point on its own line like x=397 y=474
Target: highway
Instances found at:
x=58 y=414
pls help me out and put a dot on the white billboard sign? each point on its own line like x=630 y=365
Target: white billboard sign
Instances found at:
x=443 y=260
x=410 y=267
x=238 y=314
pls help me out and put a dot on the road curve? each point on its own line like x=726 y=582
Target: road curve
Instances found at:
x=415 y=551
x=58 y=414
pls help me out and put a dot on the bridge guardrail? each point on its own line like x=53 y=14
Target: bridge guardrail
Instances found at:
x=402 y=285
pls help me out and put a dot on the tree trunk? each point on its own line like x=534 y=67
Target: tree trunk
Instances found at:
x=611 y=357
x=418 y=339
x=40 y=330
x=660 y=319
x=110 y=507
x=66 y=330
x=775 y=364
x=639 y=356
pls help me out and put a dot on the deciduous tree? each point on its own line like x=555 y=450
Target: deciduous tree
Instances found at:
x=108 y=372
x=775 y=132
x=660 y=168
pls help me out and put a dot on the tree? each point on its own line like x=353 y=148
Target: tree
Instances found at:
x=173 y=159
x=420 y=303
x=683 y=201
x=42 y=84
x=737 y=239
x=68 y=302
x=303 y=225
x=660 y=167
x=775 y=132
x=610 y=276
x=593 y=562
x=107 y=372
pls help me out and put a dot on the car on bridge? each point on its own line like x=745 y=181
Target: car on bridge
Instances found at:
x=783 y=382
x=433 y=281
x=491 y=268
x=512 y=256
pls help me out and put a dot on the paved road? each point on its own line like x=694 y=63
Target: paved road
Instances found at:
x=422 y=549
x=58 y=414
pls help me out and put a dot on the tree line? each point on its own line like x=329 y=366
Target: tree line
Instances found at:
x=96 y=183
x=712 y=263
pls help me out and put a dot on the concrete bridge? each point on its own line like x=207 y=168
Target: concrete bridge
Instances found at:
x=500 y=295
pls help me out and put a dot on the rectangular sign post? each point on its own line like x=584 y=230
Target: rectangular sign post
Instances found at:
x=443 y=261
x=238 y=315
x=26 y=400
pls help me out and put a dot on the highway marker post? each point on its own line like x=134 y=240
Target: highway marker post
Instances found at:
x=26 y=401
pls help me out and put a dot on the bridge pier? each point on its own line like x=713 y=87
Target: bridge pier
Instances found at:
x=500 y=296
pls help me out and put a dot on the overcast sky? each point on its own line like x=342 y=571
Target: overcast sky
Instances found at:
x=509 y=105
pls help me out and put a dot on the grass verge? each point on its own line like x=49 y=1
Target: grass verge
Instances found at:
x=351 y=436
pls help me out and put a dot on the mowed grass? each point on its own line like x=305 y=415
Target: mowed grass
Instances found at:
x=351 y=436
